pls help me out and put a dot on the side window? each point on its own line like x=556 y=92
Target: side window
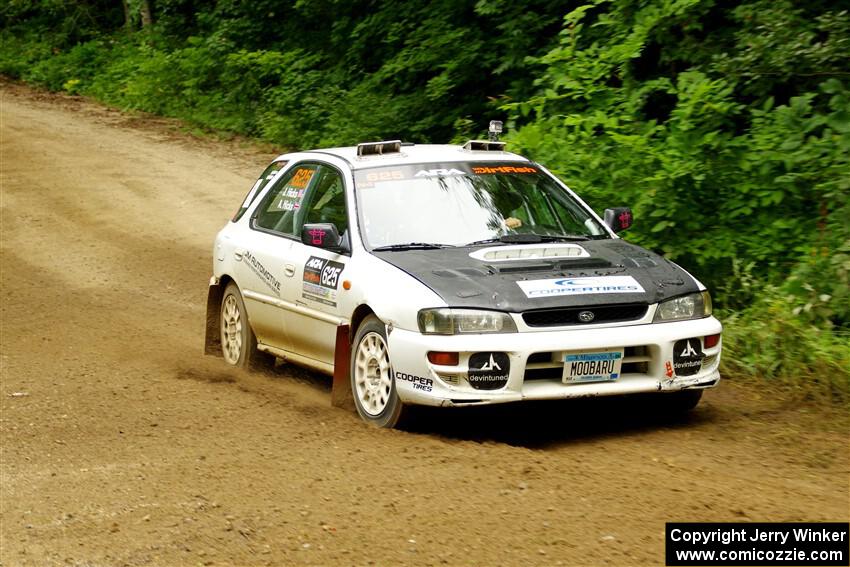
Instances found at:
x=281 y=208
x=256 y=189
x=327 y=200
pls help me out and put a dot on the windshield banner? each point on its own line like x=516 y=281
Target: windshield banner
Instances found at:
x=369 y=177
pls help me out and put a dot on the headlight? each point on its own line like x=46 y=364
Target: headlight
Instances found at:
x=455 y=321
x=692 y=306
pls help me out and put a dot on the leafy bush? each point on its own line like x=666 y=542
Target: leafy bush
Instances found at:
x=732 y=143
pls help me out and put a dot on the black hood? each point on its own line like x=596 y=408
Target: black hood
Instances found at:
x=463 y=281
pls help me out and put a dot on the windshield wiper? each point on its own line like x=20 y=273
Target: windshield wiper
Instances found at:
x=411 y=246
x=530 y=238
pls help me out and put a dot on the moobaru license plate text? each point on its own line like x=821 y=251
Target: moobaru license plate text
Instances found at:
x=591 y=366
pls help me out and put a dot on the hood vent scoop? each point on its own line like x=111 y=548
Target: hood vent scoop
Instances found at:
x=642 y=262
x=546 y=252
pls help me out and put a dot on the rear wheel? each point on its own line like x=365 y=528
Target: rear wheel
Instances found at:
x=372 y=380
x=238 y=343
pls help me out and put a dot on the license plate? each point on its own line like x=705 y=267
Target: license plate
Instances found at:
x=592 y=366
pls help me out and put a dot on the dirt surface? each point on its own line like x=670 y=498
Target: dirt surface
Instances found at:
x=123 y=445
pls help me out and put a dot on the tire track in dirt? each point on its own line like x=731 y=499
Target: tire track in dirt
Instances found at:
x=131 y=448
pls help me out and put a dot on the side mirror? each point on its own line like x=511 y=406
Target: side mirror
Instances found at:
x=321 y=235
x=619 y=218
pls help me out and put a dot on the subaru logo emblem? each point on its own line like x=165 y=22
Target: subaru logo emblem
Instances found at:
x=586 y=316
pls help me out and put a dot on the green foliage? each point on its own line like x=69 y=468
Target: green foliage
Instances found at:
x=731 y=143
x=725 y=126
x=787 y=334
x=715 y=175
x=289 y=73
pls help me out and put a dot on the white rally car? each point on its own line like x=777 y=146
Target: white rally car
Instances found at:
x=451 y=275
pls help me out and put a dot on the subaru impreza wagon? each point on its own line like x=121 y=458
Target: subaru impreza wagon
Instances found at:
x=448 y=275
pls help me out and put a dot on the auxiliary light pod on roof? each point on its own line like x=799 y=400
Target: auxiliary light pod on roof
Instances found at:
x=378 y=148
x=484 y=146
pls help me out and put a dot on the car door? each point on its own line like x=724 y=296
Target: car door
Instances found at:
x=263 y=266
x=317 y=284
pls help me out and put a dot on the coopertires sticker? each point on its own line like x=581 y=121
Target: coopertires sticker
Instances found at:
x=580 y=286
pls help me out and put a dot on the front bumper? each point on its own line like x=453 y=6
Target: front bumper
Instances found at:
x=647 y=363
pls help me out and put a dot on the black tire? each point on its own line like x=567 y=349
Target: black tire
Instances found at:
x=233 y=325
x=681 y=402
x=389 y=410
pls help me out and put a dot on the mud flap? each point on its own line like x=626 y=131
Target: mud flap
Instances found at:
x=341 y=390
x=212 y=339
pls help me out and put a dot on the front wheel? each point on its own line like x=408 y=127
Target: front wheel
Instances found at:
x=372 y=380
x=238 y=343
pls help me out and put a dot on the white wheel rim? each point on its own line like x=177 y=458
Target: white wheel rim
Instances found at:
x=372 y=377
x=231 y=330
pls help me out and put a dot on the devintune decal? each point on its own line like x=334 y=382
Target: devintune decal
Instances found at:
x=489 y=370
x=580 y=286
x=687 y=357
x=321 y=280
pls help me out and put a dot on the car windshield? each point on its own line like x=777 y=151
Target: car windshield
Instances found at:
x=457 y=204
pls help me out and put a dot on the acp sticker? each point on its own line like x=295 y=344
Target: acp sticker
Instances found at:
x=489 y=370
x=321 y=280
x=439 y=172
x=687 y=357
x=580 y=286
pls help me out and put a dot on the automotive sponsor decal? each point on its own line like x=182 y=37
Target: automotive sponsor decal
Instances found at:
x=321 y=280
x=687 y=357
x=580 y=286
x=257 y=267
x=418 y=382
x=488 y=370
x=668 y=369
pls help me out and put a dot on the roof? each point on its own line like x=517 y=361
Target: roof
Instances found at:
x=418 y=153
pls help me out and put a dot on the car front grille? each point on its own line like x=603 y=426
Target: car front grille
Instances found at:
x=570 y=315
